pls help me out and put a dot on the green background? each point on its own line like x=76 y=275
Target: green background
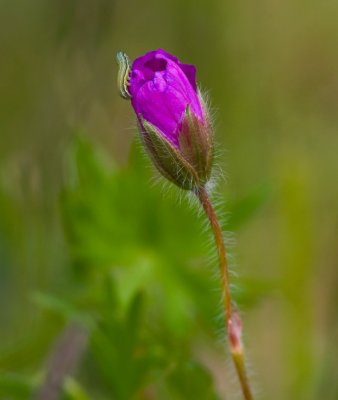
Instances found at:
x=89 y=238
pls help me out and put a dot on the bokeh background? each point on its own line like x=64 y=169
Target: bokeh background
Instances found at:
x=98 y=261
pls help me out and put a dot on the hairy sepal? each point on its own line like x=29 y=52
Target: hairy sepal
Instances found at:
x=196 y=143
x=169 y=161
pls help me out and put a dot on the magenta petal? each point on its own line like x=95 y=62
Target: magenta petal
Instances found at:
x=162 y=108
x=190 y=73
x=162 y=88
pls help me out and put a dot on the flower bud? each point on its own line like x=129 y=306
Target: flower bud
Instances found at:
x=173 y=119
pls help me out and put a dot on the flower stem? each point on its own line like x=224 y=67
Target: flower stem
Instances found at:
x=232 y=319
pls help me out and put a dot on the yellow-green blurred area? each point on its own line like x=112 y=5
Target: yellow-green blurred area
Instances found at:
x=87 y=239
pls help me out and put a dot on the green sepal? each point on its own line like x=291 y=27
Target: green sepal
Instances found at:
x=196 y=144
x=170 y=162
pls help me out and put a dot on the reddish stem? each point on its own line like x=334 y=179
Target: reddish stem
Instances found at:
x=232 y=319
x=222 y=255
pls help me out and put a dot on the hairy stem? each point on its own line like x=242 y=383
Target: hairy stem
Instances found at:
x=232 y=319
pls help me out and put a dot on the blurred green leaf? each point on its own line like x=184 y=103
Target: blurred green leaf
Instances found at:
x=121 y=354
x=74 y=391
x=191 y=380
x=52 y=303
x=116 y=221
x=13 y=386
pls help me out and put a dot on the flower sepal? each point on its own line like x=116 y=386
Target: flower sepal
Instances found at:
x=196 y=143
x=169 y=161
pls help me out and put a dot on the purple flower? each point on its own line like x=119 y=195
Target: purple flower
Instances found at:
x=161 y=88
x=173 y=119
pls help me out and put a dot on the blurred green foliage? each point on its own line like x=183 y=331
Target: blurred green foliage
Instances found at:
x=88 y=240
x=129 y=282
